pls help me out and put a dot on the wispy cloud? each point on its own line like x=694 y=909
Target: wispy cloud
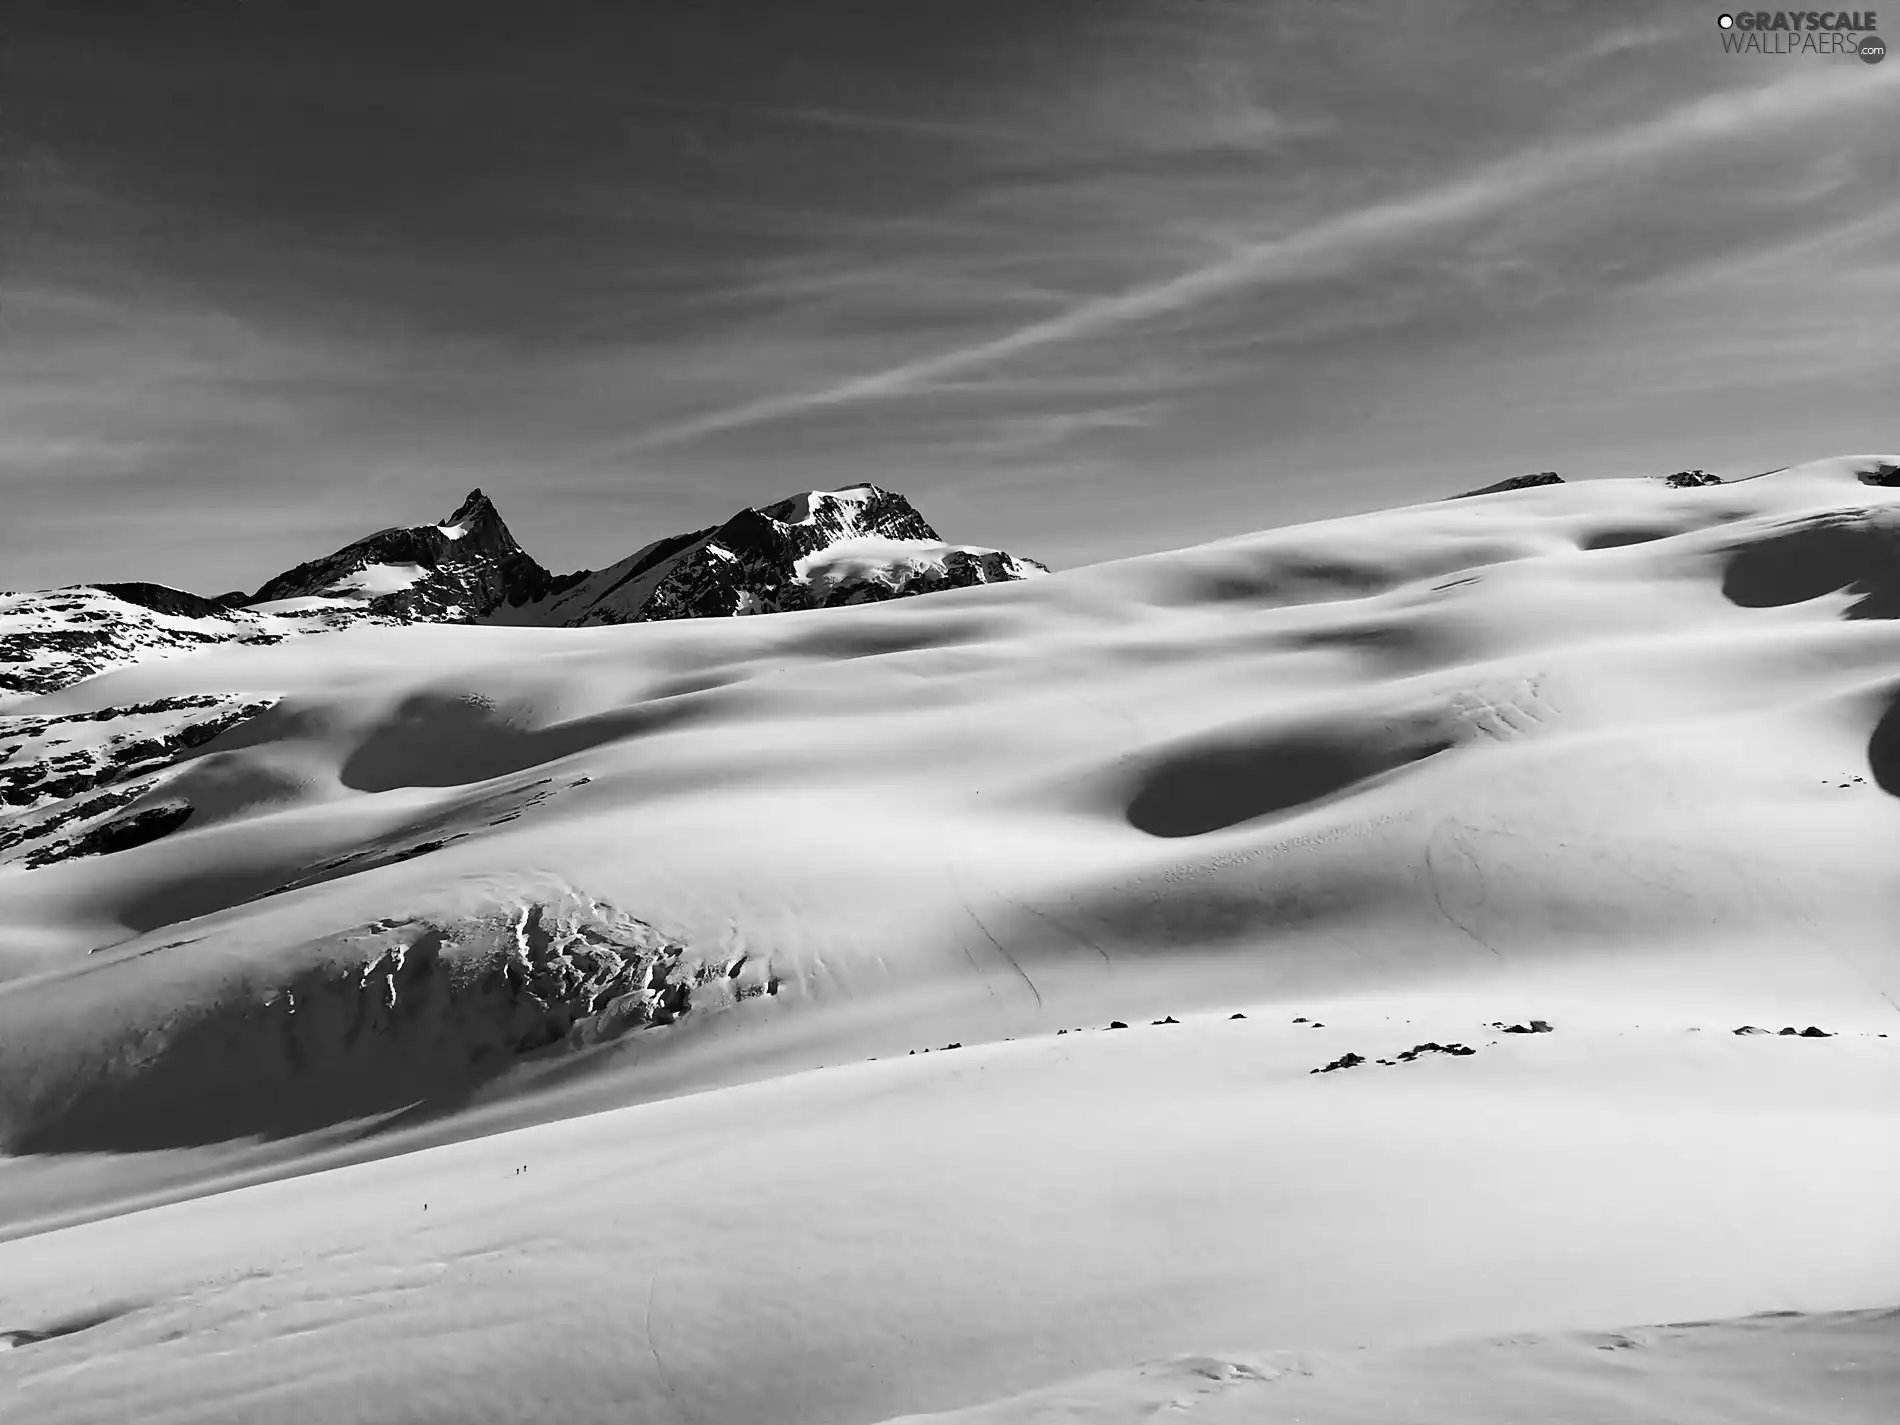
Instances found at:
x=1334 y=245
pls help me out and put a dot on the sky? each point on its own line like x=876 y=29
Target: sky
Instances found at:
x=1082 y=278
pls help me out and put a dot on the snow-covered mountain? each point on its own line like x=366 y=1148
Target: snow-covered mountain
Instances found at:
x=54 y=638
x=457 y=571
x=823 y=548
x=857 y=545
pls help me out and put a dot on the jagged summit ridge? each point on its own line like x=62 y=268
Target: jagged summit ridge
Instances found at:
x=455 y=571
x=818 y=549
x=811 y=550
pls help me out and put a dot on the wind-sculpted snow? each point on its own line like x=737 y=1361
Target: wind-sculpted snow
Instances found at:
x=1349 y=924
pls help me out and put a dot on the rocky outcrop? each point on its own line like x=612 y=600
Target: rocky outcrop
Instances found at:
x=57 y=637
x=1691 y=479
x=65 y=780
x=816 y=550
x=1344 y=1061
x=160 y=599
x=454 y=572
x=1516 y=482
x=45 y=759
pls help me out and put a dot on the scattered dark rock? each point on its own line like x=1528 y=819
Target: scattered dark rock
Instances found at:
x=63 y=775
x=1116 y=1024
x=1299 y=1019
x=957 y=1045
x=1236 y=1016
x=1813 y=1033
x=1753 y=1029
x=1536 y=1026
x=1434 y=1047
x=1689 y=479
x=1344 y=1061
x=1790 y=1029
x=1169 y=1020
x=1882 y=474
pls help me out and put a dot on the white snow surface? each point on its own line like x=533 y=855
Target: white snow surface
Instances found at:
x=805 y=507
x=373 y=580
x=1615 y=756
x=875 y=558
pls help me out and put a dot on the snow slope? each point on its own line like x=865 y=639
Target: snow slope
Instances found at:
x=631 y=907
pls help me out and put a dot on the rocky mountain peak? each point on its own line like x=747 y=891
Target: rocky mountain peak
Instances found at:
x=458 y=570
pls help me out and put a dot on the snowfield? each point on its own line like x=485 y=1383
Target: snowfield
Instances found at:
x=1292 y=978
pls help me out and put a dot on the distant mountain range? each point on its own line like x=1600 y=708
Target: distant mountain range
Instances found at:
x=820 y=549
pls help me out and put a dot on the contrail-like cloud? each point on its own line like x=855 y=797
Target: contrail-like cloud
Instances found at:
x=1336 y=244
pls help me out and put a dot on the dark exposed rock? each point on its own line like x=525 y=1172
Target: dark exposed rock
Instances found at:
x=1690 y=479
x=1516 y=482
x=1753 y=1029
x=178 y=725
x=1536 y=1026
x=471 y=569
x=1344 y=1061
x=121 y=835
x=161 y=599
x=1169 y=1020
x=470 y=565
x=1882 y=474
x=753 y=563
x=17 y=833
x=1434 y=1047
x=1116 y=1024
x=1811 y=1032
x=1236 y=1016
